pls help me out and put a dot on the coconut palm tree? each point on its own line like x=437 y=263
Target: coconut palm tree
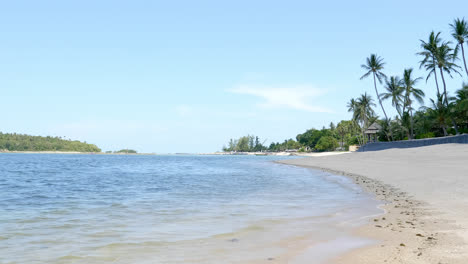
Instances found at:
x=363 y=111
x=445 y=58
x=429 y=60
x=411 y=93
x=460 y=32
x=394 y=92
x=351 y=105
x=461 y=104
x=374 y=65
x=439 y=112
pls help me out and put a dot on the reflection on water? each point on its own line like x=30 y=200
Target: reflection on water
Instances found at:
x=171 y=209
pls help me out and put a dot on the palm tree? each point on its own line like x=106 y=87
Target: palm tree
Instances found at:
x=439 y=112
x=429 y=61
x=461 y=103
x=394 y=92
x=353 y=107
x=445 y=58
x=411 y=93
x=460 y=32
x=363 y=112
x=374 y=65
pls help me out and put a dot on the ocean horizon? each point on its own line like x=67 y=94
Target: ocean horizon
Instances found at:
x=76 y=208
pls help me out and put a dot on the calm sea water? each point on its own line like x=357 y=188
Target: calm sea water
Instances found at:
x=173 y=209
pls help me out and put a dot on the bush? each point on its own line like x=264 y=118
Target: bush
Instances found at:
x=425 y=135
x=326 y=143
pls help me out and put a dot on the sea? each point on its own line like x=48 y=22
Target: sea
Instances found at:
x=72 y=208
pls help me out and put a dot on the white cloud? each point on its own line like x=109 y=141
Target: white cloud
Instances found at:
x=293 y=97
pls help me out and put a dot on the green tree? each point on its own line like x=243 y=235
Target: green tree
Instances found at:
x=439 y=112
x=363 y=112
x=460 y=33
x=411 y=93
x=445 y=57
x=326 y=143
x=342 y=129
x=394 y=89
x=429 y=56
x=374 y=65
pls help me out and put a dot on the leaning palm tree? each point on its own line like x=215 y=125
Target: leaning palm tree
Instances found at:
x=374 y=65
x=429 y=60
x=460 y=33
x=445 y=58
x=394 y=92
x=411 y=93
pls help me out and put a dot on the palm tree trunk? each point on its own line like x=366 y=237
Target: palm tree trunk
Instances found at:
x=411 y=124
x=381 y=105
x=446 y=101
x=463 y=55
x=445 y=86
x=378 y=97
x=445 y=130
x=435 y=75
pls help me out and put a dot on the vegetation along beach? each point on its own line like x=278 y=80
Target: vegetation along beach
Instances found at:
x=243 y=132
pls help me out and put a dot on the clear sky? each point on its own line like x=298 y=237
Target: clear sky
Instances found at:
x=185 y=76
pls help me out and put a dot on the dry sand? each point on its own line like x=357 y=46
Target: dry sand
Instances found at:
x=426 y=195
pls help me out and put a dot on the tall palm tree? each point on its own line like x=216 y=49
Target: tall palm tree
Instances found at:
x=394 y=92
x=460 y=32
x=374 y=65
x=445 y=58
x=411 y=93
x=429 y=60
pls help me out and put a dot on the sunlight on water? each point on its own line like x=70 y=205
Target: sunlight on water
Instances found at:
x=170 y=209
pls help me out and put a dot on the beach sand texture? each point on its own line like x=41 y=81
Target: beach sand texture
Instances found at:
x=426 y=194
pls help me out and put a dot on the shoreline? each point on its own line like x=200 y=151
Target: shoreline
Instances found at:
x=413 y=229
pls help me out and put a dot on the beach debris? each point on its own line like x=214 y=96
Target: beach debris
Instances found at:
x=402 y=245
x=233 y=240
x=270 y=258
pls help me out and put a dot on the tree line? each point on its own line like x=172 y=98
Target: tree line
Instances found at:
x=446 y=114
x=20 y=142
x=326 y=139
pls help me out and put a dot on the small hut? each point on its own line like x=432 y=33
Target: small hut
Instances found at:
x=372 y=132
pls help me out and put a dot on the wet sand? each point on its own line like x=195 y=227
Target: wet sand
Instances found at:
x=426 y=195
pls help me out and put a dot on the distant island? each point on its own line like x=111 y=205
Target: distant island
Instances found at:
x=21 y=142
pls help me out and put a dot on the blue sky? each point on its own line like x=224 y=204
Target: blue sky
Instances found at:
x=185 y=76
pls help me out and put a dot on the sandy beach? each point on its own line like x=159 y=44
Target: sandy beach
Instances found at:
x=425 y=191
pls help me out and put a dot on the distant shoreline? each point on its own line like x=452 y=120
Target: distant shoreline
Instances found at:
x=301 y=154
x=72 y=152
